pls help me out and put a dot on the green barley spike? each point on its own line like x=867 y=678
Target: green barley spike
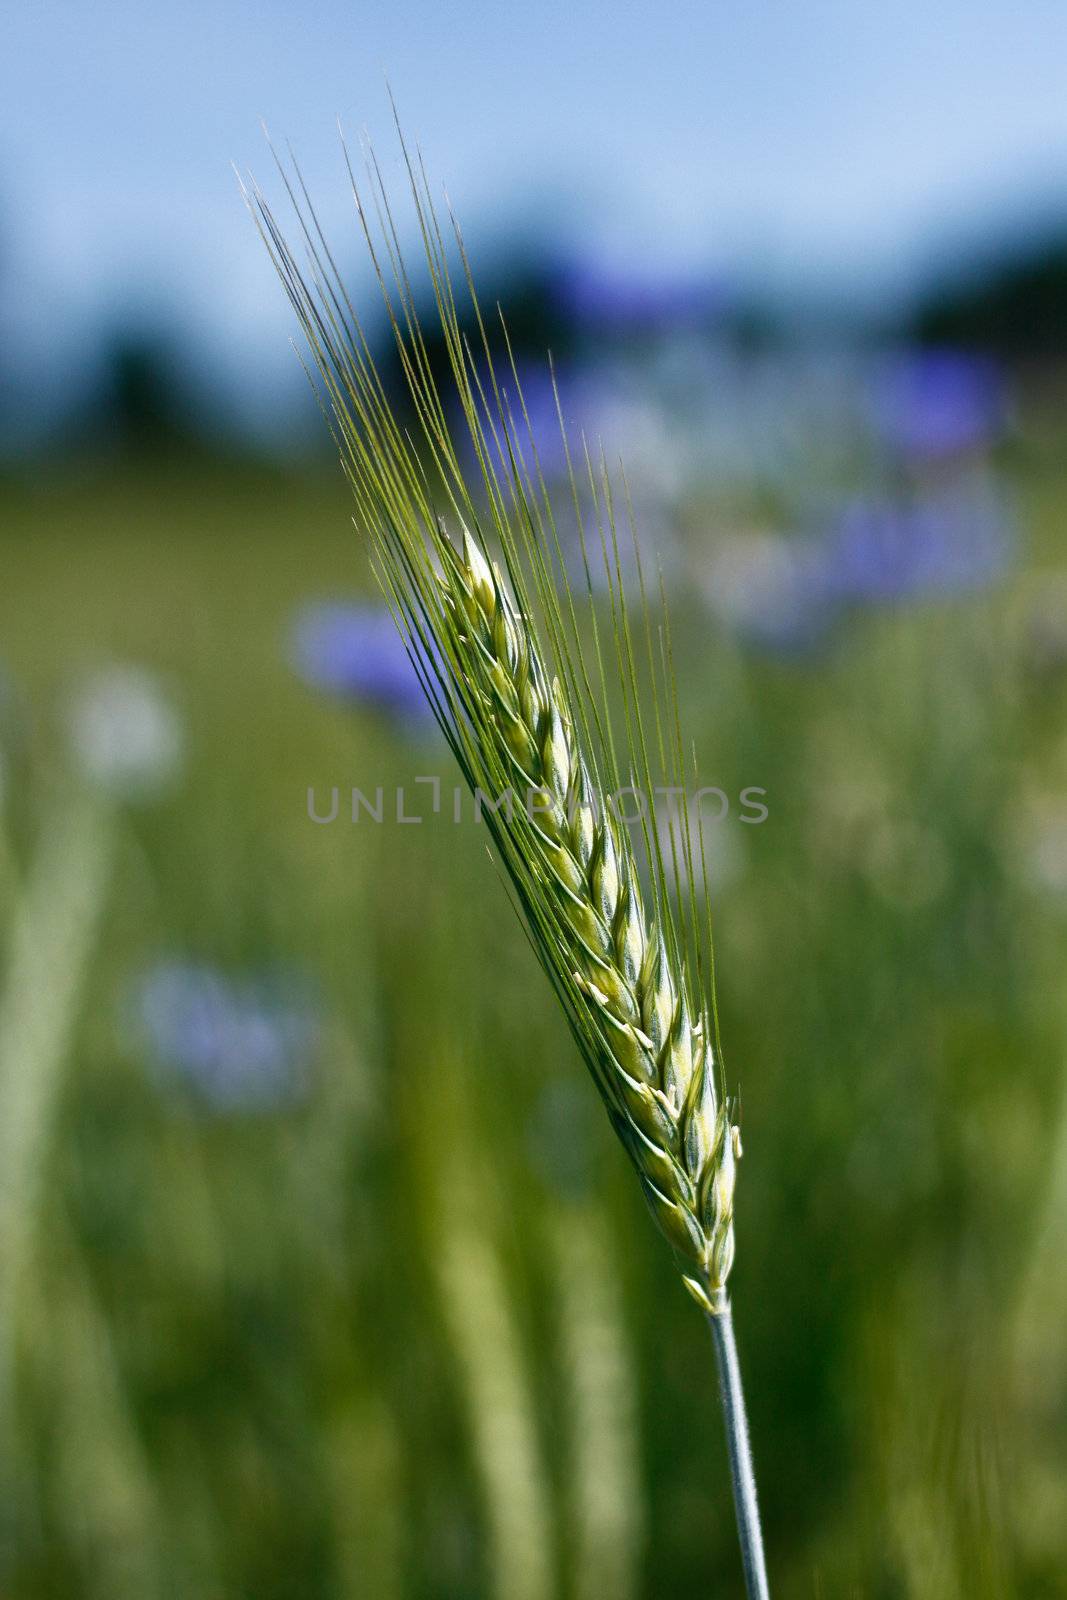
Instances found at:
x=651 y=1059
x=521 y=692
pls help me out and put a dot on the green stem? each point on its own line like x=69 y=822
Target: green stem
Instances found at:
x=740 y=1452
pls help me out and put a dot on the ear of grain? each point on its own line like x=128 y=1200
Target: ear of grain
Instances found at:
x=515 y=697
x=647 y=1046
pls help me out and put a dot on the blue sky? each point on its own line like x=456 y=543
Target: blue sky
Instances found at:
x=804 y=142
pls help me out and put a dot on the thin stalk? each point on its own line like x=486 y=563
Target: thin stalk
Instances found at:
x=50 y=943
x=603 y=1469
x=742 y=1476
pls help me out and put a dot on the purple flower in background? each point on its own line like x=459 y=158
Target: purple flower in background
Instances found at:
x=240 y=1044
x=602 y=404
x=936 y=403
x=784 y=594
x=355 y=651
x=614 y=302
x=539 y=408
x=585 y=395
x=940 y=545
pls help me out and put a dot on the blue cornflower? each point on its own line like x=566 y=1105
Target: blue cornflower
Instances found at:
x=616 y=302
x=785 y=594
x=239 y=1043
x=583 y=394
x=939 y=545
x=354 y=650
x=929 y=404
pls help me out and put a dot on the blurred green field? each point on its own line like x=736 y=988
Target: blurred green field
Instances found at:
x=410 y=1332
